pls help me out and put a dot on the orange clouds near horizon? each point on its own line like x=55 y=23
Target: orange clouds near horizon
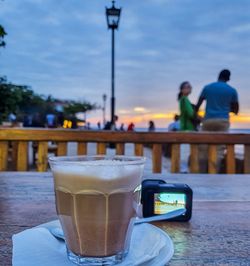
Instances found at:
x=140 y=117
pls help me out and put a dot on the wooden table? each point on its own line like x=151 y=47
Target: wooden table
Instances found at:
x=218 y=234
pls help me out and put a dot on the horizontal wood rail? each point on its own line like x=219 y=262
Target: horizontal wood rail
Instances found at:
x=123 y=137
x=16 y=141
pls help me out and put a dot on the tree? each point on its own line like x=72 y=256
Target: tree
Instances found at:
x=19 y=99
x=2 y=34
x=22 y=100
x=79 y=107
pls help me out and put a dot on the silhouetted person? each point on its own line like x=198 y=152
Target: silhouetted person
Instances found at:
x=110 y=126
x=73 y=119
x=122 y=127
x=107 y=126
x=88 y=126
x=151 y=126
x=27 y=121
x=51 y=120
x=60 y=119
x=12 y=118
x=37 y=120
x=131 y=127
x=99 y=125
x=175 y=125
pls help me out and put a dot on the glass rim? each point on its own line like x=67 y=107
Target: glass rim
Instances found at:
x=89 y=159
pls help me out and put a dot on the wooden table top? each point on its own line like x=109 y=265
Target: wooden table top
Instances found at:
x=218 y=234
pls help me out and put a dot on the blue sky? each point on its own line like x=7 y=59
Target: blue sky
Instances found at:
x=63 y=48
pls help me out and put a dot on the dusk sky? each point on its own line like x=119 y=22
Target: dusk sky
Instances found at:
x=63 y=48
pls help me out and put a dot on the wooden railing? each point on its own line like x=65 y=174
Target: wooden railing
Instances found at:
x=19 y=139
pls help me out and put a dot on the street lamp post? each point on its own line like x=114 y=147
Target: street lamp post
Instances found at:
x=113 y=18
x=104 y=97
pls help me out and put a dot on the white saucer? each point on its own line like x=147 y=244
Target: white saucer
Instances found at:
x=150 y=246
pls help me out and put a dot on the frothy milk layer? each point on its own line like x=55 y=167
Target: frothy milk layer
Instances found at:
x=105 y=176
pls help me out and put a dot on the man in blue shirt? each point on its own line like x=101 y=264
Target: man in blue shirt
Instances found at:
x=221 y=99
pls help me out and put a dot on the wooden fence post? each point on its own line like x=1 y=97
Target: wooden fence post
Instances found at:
x=120 y=148
x=42 y=157
x=82 y=148
x=175 y=158
x=230 y=160
x=247 y=159
x=61 y=148
x=156 y=158
x=3 y=155
x=22 y=156
x=138 y=149
x=212 y=159
x=101 y=148
x=194 y=158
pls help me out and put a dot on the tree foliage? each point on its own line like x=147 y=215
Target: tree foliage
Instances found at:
x=79 y=106
x=22 y=100
x=2 y=34
x=19 y=99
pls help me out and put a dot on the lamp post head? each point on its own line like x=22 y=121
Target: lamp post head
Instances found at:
x=104 y=97
x=113 y=16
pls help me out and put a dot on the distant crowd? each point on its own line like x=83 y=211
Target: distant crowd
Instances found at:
x=221 y=99
x=50 y=120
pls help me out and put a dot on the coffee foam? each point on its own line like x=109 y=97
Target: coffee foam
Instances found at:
x=102 y=176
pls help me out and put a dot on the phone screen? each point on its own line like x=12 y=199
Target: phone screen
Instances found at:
x=166 y=202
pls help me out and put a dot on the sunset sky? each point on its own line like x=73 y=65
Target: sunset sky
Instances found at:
x=63 y=48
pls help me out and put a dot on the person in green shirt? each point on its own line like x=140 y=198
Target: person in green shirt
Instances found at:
x=187 y=112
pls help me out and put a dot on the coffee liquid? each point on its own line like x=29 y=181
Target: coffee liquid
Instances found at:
x=96 y=211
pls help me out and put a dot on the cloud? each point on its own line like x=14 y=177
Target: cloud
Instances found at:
x=150 y=53
x=243 y=28
x=140 y=109
x=65 y=49
x=124 y=112
x=51 y=20
x=159 y=2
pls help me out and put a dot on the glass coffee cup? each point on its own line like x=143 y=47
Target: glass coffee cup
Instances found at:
x=97 y=198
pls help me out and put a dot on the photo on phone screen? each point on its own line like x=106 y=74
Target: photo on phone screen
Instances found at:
x=166 y=202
